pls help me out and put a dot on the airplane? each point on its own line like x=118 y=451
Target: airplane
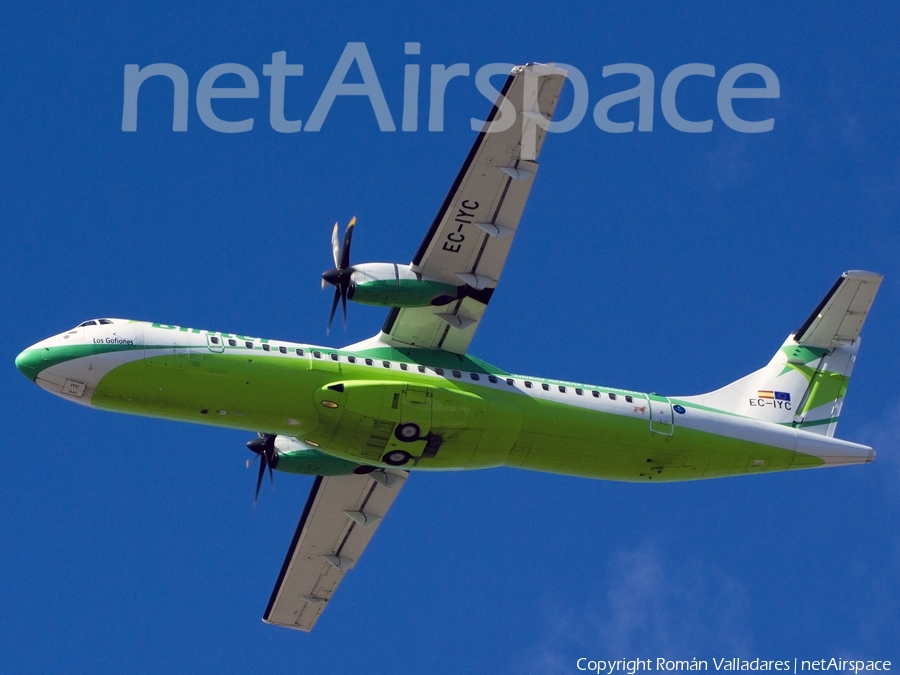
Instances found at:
x=364 y=417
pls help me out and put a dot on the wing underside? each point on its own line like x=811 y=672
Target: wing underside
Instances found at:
x=471 y=235
x=341 y=515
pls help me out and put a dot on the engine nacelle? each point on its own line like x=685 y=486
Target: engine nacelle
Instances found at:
x=392 y=285
x=296 y=457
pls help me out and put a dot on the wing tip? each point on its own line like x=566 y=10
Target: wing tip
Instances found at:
x=863 y=275
x=539 y=68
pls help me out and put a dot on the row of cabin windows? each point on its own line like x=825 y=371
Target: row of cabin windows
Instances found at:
x=249 y=345
x=352 y=359
x=422 y=369
x=578 y=391
x=439 y=371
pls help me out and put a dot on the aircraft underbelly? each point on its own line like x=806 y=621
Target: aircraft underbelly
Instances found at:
x=458 y=427
x=593 y=444
x=253 y=394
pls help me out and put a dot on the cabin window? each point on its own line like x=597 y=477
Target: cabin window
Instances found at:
x=282 y=349
x=334 y=357
x=403 y=366
x=545 y=387
x=562 y=390
x=232 y=343
x=317 y=354
x=629 y=399
x=595 y=394
x=492 y=379
x=248 y=344
x=370 y=362
x=351 y=359
x=299 y=351
x=439 y=371
x=456 y=373
x=580 y=392
x=386 y=364
x=528 y=385
x=612 y=396
x=474 y=376
x=214 y=340
x=511 y=382
x=421 y=369
x=266 y=347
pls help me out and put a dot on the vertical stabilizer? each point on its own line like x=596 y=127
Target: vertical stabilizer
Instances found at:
x=805 y=382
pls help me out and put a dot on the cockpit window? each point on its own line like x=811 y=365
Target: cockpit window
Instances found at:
x=92 y=322
x=105 y=322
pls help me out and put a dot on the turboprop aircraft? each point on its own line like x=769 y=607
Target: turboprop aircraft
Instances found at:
x=363 y=418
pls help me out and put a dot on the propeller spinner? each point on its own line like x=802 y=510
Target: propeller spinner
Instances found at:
x=339 y=275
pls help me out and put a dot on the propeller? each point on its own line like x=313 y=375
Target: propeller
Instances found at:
x=264 y=447
x=339 y=275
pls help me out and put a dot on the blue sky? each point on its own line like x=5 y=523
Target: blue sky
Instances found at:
x=665 y=261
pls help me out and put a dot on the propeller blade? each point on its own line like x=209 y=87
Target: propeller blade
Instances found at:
x=340 y=276
x=345 y=249
x=264 y=447
x=259 y=478
x=334 y=304
x=335 y=246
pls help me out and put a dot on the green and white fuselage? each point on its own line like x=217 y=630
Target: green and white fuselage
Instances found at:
x=344 y=405
x=363 y=417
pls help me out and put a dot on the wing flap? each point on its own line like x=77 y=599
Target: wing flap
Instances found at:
x=340 y=518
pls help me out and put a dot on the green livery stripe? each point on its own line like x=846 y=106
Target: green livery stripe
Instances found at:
x=37 y=360
x=825 y=388
x=697 y=406
x=425 y=357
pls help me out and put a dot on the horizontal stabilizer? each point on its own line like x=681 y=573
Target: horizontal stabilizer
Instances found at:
x=840 y=316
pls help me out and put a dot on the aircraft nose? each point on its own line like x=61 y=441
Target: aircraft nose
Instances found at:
x=29 y=363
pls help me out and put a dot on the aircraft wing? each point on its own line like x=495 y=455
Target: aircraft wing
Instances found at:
x=470 y=237
x=341 y=515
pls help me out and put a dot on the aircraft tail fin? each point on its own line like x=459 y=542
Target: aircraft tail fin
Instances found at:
x=804 y=384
